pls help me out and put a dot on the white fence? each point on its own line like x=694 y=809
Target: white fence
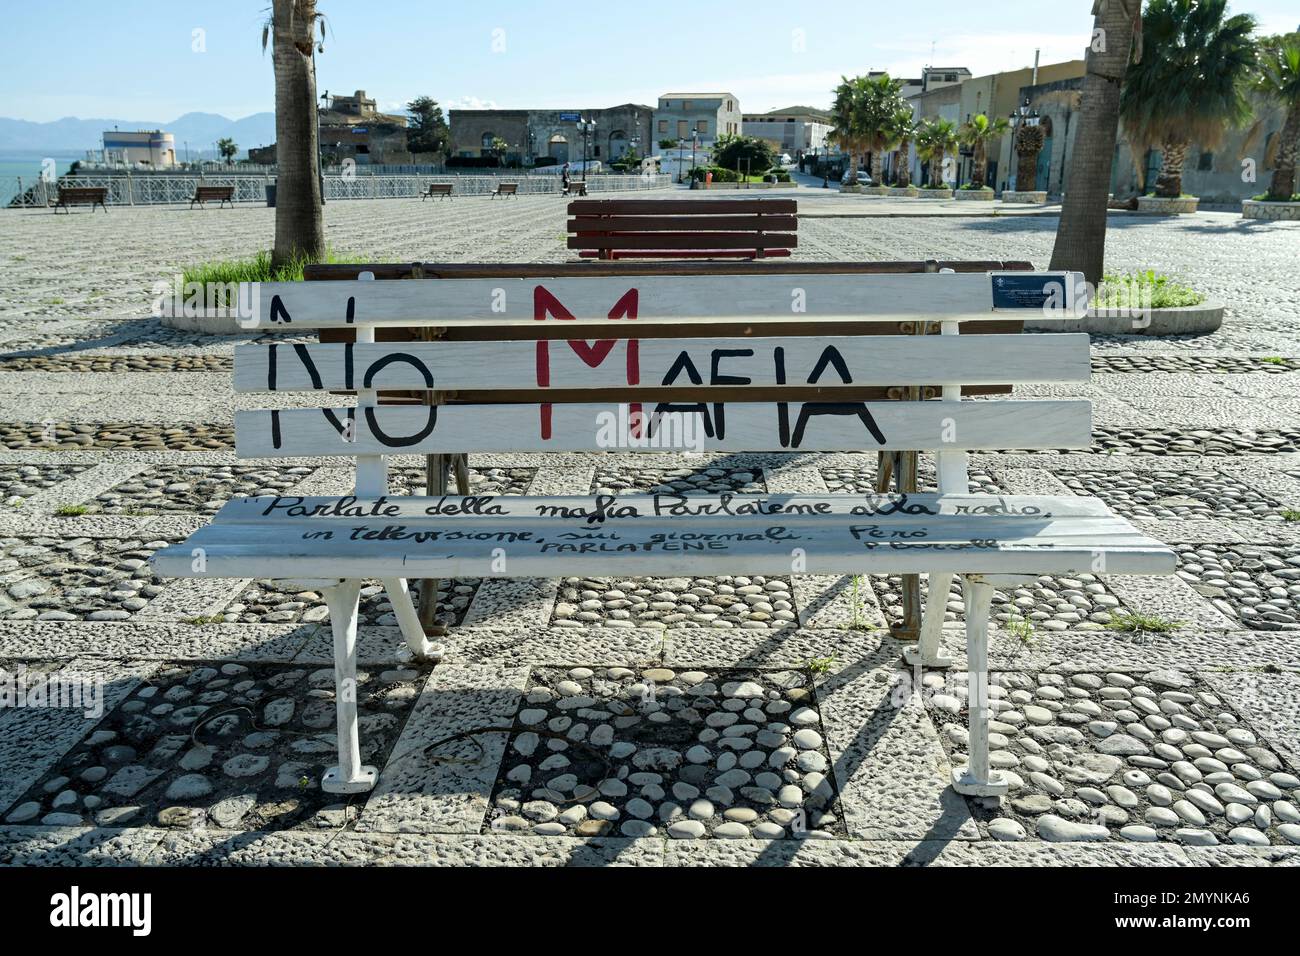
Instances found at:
x=149 y=190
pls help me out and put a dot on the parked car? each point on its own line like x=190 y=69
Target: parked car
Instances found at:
x=864 y=178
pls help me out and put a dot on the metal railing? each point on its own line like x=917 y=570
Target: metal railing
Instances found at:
x=150 y=189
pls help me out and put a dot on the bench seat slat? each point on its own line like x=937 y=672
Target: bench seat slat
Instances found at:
x=751 y=426
x=870 y=361
x=882 y=508
x=291 y=306
x=379 y=544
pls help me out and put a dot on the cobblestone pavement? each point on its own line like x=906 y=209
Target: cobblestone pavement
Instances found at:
x=744 y=720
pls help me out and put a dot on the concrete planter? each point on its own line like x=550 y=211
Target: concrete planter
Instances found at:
x=1156 y=206
x=207 y=322
x=1035 y=197
x=936 y=193
x=1272 y=211
x=974 y=195
x=909 y=191
x=713 y=186
x=875 y=190
x=1194 y=320
x=851 y=189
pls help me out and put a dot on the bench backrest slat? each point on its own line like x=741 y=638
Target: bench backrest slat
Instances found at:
x=830 y=362
x=754 y=427
x=759 y=298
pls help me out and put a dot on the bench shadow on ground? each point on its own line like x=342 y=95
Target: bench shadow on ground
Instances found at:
x=130 y=332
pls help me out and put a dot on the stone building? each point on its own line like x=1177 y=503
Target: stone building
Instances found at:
x=680 y=115
x=796 y=130
x=542 y=136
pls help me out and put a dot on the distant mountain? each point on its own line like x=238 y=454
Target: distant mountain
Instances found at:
x=201 y=130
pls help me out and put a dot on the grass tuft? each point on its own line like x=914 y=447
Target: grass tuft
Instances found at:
x=71 y=511
x=1135 y=623
x=821 y=665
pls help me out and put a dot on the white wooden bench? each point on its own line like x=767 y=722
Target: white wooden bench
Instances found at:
x=990 y=541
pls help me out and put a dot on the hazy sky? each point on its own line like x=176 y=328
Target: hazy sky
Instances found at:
x=137 y=59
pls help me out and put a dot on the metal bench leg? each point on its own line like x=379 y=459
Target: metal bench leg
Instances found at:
x=349 y=776
x=436 y=487
x=409 y=620
x=461 y=464
x=927 y=651
x=977 y=779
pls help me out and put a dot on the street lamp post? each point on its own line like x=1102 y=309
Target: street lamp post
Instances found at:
x=695 y=144
x=588 y=128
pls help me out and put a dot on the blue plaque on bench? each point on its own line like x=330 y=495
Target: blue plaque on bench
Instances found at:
x=1032 y=291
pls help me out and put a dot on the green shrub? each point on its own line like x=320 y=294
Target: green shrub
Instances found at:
x=1129 y=290
x=971 y=187
x=256 y=269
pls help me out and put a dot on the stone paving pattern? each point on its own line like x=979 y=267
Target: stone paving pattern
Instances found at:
x=668 y=722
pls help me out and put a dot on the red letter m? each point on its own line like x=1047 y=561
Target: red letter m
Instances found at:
x=592 y=353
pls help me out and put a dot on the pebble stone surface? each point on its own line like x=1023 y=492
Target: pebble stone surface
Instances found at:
x=225 y=746
x=1260 y=587
x=116 y=438
x=691 y=755
x=1143 y=757
x=76 y=579
x=748 y=603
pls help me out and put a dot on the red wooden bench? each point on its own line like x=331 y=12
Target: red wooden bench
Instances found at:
x=683 y=228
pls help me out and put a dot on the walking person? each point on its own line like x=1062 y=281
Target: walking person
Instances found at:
x=564 y=177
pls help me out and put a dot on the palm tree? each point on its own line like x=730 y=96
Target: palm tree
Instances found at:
x=1280 y=78
x=935 y=138
x=299 y=220
x=880 y=101
x=1029 y=143
x=228 y=148
x=902 y=127
x=1081 y=234
x=1194 y=84
x=977 y=132
x=862 y=114
x=845 y=132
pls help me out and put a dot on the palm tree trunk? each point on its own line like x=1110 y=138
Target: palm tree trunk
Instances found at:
x=1169 y=184
x=904 y=177
x=936 y=169
x=1081 y=235
x=299 y=222
x=877 y=166
x=1282 y=188
x=1027 y=172
x=979 y=166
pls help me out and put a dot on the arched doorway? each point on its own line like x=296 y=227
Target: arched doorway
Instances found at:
x=557 y=147
x=1043 y=176
x=618 y=144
